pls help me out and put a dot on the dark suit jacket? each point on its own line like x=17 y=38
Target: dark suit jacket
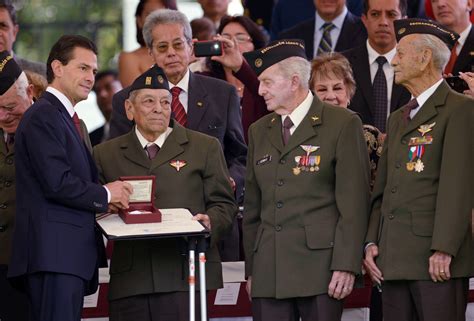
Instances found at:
x=153 y=266
x=465 y=60
x=57 y=195
x=416 y=213
x=7 y=199
x=352 y=34
x=96 y=136
x=363 y=100
x=213 y=109
x=299 y=227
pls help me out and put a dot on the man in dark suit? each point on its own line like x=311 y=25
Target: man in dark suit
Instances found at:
x=334 y=28
x=106 y=86
x=207 y=105
x=55 y=248
x=376 y=94
x=148 y=276
x=9 y=30
x=16 y=96
x=420 y=224
x=303 y=217
x=455 y=15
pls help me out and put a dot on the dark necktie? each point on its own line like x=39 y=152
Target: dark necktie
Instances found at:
x=177 y=108
x=152 y=150
x=379 y=89
x=287 y=124
x=452 y=60
x=10 y=141
x=325 y=45
x=412 y=104
x=77 y=124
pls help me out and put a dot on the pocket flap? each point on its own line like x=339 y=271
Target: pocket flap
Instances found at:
x=422 y=223
x=319 y=237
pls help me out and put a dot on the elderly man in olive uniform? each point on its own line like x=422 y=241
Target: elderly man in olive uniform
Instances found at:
x=16 y=97
x=306 y=203
x=148 y=277
x=420 y=224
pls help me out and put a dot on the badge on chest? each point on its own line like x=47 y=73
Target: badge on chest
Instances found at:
x=308 y=162
x=417 y=147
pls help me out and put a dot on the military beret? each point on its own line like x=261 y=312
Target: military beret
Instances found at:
x=153 y=78
x=9 y=71
x=275 y=52
x=404 y=27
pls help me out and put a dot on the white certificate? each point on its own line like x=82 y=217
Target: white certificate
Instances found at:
x=228 y=295
x=173 y=221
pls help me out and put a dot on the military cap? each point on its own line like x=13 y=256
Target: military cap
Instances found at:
x=275 y=52
x=9 y=71
x=153 y=78
x=404 y=27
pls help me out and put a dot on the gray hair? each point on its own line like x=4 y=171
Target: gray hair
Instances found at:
x=165 y=16
x=439 y=49
x=296 y=65
x=21 y=85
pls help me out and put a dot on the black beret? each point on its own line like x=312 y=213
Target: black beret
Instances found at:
x=9 y=71
x=404 y=27
x=275 y=52
x=153 y=78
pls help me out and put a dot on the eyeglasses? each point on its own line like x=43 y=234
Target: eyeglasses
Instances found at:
x=177 y=45
x=240 y=37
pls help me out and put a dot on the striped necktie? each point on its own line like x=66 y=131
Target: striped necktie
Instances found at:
x=325 y=45
x=177 y=108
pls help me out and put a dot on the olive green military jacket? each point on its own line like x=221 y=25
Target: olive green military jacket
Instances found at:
x=202 y=186
x=305 y=217
x=419 y=207
x=7 y=199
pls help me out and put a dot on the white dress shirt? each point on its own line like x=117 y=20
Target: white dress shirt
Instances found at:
x=423 y=97
x=184 y=94
x=298 y=114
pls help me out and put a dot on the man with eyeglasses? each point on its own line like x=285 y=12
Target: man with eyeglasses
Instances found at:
x=200 y=103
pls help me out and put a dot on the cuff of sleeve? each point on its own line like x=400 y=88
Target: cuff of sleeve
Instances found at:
x=108 y=194
x=367 y=245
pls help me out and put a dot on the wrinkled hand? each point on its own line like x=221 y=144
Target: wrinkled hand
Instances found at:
x=248 y=287
x=371 y=252
x=341 y=284
x=205 y=219
x=233 y=185
x=231 y=56
x=119 y=193
x=439 y=266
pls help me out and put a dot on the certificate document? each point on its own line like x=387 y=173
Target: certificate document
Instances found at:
x=175 y=222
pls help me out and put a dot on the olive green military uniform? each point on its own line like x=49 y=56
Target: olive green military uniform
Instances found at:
x=303 y=222
x=202 y=185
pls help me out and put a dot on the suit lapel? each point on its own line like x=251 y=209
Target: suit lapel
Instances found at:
x=346 y=32
x=133 y=151
x=197 y=103
x=362 y=73
x=466 y=54
x=396 y=95
x=172 y=146
x=309 y=40
x=428 y=110
x=274 y=132
x=3 y=146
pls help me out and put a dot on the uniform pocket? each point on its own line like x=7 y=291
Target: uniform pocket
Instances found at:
x=319 y=236
x=422 y=223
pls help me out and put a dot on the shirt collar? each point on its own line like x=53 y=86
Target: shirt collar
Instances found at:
x=183 y=83
x=338 y=21
x=463 y=35
x=63 y=99
x=374 y=54
x=423 y=97
x=159 y=141
x=300 y=111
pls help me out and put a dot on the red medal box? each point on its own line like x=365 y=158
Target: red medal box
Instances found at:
x=141 y=200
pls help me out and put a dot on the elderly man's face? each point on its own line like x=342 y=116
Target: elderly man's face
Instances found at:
x=451 y=12
x=151 y=111
x=406 y=60
x=171 y=51
x=8 y=31
x=12 y=108
x=275 y=89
